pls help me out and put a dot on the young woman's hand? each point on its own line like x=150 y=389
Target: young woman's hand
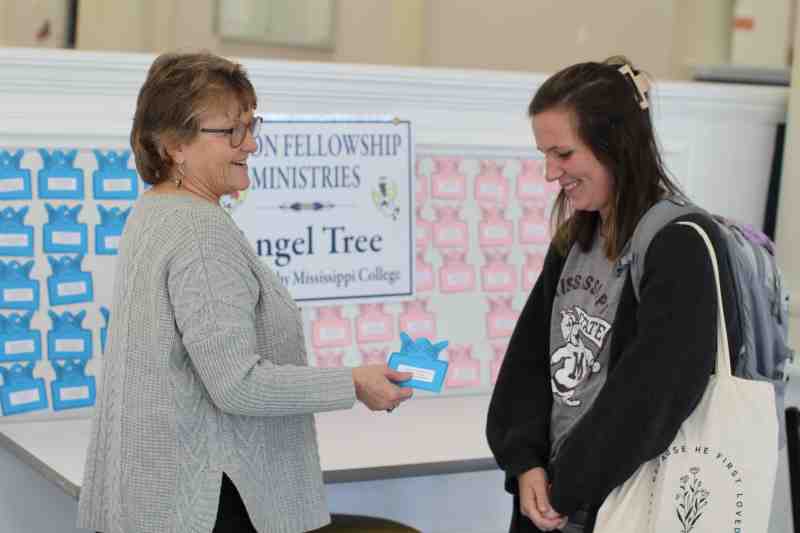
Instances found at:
x=534 y=500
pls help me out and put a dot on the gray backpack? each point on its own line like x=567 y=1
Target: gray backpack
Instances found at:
x=762 y=301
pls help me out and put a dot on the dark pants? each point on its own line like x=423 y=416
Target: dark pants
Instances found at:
x=232 y=515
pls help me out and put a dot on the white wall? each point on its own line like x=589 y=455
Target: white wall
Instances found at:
x=788 y=217
x=546 y=35
x=766 y=40
x=386 y=32
x=701 y=35
x=21 y=21
x=665 y=37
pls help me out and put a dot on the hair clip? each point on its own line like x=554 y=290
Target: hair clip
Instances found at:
x=639 y=84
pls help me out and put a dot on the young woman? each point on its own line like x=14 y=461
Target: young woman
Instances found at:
x=596 y=382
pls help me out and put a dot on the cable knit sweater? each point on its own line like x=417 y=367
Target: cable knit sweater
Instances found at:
x=205 y=372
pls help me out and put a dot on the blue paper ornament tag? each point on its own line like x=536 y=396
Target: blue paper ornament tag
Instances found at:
x=18 y=342
x=108 y=233
x=59 y=178
x=113 y=180
x=15 y=181
x=63 y=233
x=21 y=392
x=17 y=289
x=69 y=284
x=68 y=339
x=421 y=358
x=72 y=388
x=106 y=312
x=16 y=238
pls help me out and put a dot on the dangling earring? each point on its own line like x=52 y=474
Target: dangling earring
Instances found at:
x=180 y=175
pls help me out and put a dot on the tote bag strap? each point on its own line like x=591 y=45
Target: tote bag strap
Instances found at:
x=723 y=351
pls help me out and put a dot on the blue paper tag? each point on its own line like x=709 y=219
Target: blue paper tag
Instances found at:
x=109 y=231
x=15 y=181
x=63 y=233
x=59 y=178
x=113 y=180
x=17 y=341
x=69 y=284
x=72 y=388
x=67 y=339
x=16 y=239
x=17 y=290
x=21 y=392
x=421 y=358
x=104 y=330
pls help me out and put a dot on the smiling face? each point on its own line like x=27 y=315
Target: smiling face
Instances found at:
x=585 y=181
x=211 y=167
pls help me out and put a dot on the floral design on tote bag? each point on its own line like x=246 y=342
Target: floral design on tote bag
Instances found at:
x=690 y=500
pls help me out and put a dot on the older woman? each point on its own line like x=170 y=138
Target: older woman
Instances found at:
x=205 y=418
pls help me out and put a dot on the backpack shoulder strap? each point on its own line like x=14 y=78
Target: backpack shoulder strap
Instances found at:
x=654 y=219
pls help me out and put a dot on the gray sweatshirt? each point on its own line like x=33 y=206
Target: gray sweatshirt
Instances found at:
x=205 y=372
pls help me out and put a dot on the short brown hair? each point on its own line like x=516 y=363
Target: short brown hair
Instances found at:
x=608 y=119
x=178 y=88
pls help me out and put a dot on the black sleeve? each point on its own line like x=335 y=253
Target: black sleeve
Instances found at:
x=657 y=380
x=518 y=422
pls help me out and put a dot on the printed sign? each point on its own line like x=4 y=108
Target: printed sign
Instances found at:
x=330 y=206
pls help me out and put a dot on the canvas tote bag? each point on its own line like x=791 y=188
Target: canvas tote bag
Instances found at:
x=719 y=473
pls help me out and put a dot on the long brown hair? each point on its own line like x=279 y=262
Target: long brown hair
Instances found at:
x=609 y=120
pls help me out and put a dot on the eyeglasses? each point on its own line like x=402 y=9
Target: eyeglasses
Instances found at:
x=238 y=132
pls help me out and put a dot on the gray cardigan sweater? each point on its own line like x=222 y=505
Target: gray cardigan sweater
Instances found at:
x=205 y=372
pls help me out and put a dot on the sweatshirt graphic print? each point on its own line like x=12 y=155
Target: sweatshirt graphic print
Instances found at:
x=580 y=335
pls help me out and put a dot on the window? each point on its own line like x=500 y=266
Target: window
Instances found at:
x=303 y=23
